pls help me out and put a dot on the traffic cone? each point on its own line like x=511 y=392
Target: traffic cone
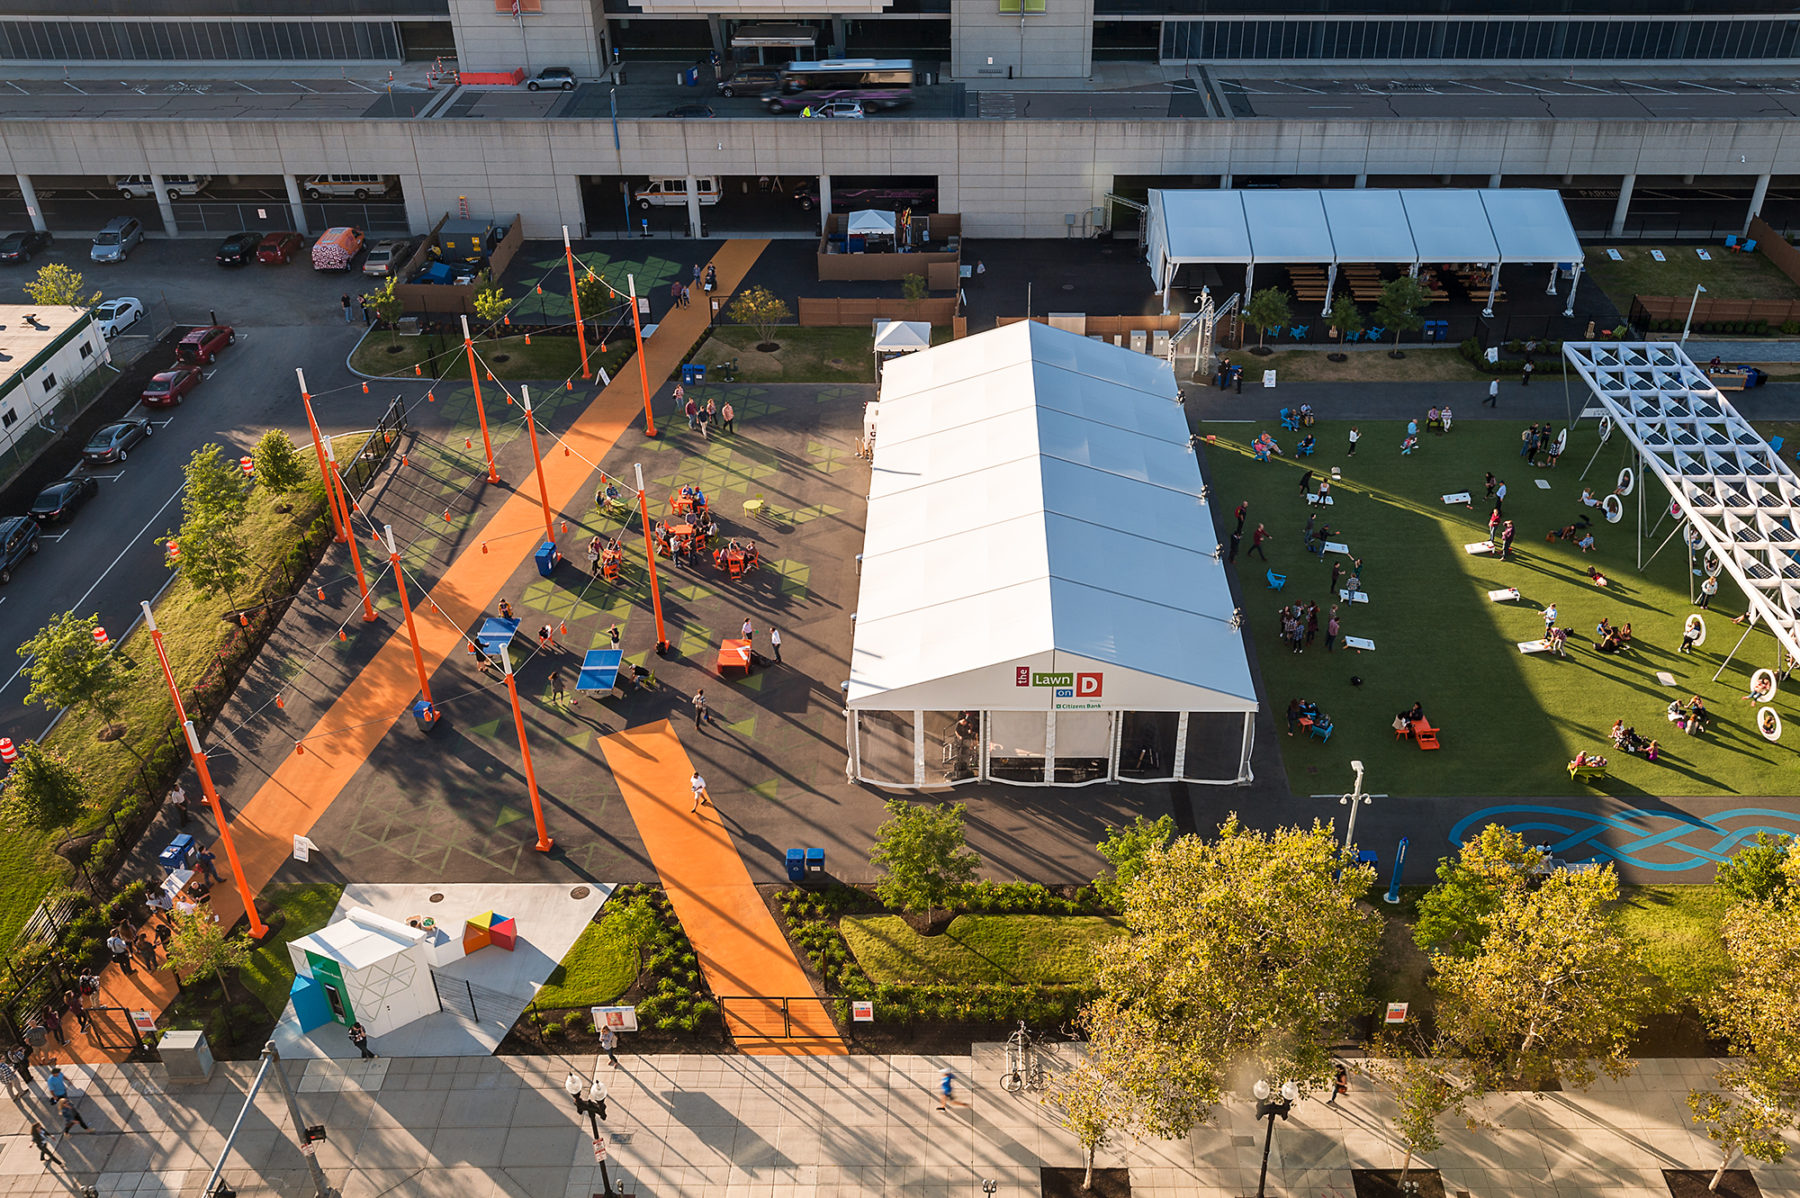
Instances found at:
x=484 y=546
x=299 y=749
x=279 y=702
x=342 y=635
x=418 y=371
x=365 y=388
x=321 y=594
x=431 y=397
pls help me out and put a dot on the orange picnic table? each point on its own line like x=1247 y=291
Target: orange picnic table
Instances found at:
x=734 y=655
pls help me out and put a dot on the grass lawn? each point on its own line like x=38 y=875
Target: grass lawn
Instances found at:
x=599 y=967
x=1679 y=929
x=547 y=357
x=307 y=907
x=1511 y=721
x=1727 y=276
x=1360 y=366
x=1025 y=949
x=825 y=355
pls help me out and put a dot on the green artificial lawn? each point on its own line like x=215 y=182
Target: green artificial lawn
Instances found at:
x=1679 y=929
x=1510 y=722
x=1028 y=950
x=599 y=967
x=269 y=974
x=1727 y=276
x=553 y=357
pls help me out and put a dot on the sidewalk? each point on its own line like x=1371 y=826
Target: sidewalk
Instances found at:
x=691 y=1126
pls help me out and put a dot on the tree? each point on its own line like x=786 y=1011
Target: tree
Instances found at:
x=1553 y=985
x=637 y=923
x=1401 y=304
x=594 y=296
x=67 y=667
x=1345 y=316
x=279 y=466
x=213 y=555
x=216 y=485
x=1453 y=915
x=1085 y=1104
x=198 y=945
x=1126 y=846
x=1424 y=1092
x=1741 y=1120
x=387 y=305
x=1246 y=950
x=56 y=286
x=491 y=304
x=922 y=849
x=1268 y=309
x=43 y=790
x=1754 y=872
x=913 y=287
x=761 y=309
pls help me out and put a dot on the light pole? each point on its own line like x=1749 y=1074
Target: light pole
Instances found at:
x=1356 y=798
x=1698 y=288
x=594 y=1107
x=1267 y=1109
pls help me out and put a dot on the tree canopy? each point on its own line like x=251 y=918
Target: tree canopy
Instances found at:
x=1268 y=309
x=1125 y=847
x=67 y=667
x=43 y=790
x=279 y=466
x=1402 y=305
x=1755 y=871
x=215 y=484
x=759 y=308
x=57 y=286
x=921 y=847
x=1453 y=916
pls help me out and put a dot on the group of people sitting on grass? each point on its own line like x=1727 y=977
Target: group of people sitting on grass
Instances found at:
x=1628 y=740
x=1303 y=709
x=1608 y=639
x=1587 y=761
x=1690 y=717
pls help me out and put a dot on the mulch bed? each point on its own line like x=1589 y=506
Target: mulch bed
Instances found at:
x=1691 y=1183
x=1066 y=1183
x=1385 y=1183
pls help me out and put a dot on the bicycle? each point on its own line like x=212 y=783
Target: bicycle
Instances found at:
x=1023 y=1068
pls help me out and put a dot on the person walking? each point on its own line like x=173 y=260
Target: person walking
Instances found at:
x=40 y=1139
x=727 y=418
x=1525 y=372
x=1256 y=542
x=57 y=1084
x=947 y=1091
x=1708 y=589
x=702 y=710
x=72 y=1005
x=1354 y=438
x=775 y=643
x=1506 y=540
x=698 y=785
x=1493 y=396
x=703 y=421
x=208 y=865
x=1491 y=483
x=609 y=1044
x=146 y=951
x=1331 y=630
x=1549 y=619
x=1340 y=1084
x=119 y=949
x=1242 y=508
x=1236 y=539
x=556 y=687
x=71 y=1115
x=359 y=1036
x=15 y=1085
x=345 y=301
x=612 y=635
x=178 y=798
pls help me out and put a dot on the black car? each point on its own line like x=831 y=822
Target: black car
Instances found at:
x=686 y=110
x=18 y=541
x=749 y=81
x=111 y=442
x=19 y=247
x=60 y=500
x=238 y=249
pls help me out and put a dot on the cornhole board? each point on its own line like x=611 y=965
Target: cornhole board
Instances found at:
x=599 y=670
x=1705 y=255
x=1359 y=643
x=1353 y=596
x=1504 y=594
x=1534 y=646
x=1337 y=547
x=1658 y=255
x=1542 y=484
x=1615 y=255
x=1479 y=547
x=1666 y=678
x=1327 y=500
x=1459 y=497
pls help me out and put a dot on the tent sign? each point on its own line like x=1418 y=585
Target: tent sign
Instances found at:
x=1068 y=692
x=862 y=1011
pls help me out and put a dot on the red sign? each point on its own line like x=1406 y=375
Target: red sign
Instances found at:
x=1022 y=677
x=1087 y=686
x=599 y=1149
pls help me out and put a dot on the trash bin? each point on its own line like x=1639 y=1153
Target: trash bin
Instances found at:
x=796 y=865
x=1368 y=857
x=425 y=715
x=815 y=861
x=547 y=557
x=692 y=373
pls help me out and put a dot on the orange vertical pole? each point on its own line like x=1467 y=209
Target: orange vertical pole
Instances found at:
x=355 y=554
x=662 y=639
x=580 y=332
x=637 y=332
x=480 y=412
x=538 y=463
x=337 y=519
x=412 y=633
x=537 y=808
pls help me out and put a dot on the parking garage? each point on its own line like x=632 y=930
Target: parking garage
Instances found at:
x=201 y=204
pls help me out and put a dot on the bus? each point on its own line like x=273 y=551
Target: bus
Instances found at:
x=878 y=83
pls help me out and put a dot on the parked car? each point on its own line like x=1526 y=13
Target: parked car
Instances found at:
x=749 y=81
x=166 y=389
x=237 y=249
x=60 y=500
x=201 y=346
x=115 y=316
x=131 y=187
x=388 y=256
x=336 y=249
x=671 y=192
x=112 y=441
x=839 y=110
x=19 y=539
x=691 y=110
x=19 y=247
x=279 y=248
x=360 y=187
x=115 y=241
x=561 y=78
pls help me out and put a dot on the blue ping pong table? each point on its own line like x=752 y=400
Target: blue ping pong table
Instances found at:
x=496 y=632
x=599 y=670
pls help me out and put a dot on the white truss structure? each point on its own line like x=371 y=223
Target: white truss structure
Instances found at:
x=1738 y=496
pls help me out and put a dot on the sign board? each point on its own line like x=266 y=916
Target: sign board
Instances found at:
x=644 y=300
x=1068 y=692
x=307 y=1149
x=1396 y=1012
x=144 y=1021
x=605 y=379
x=599 y=1149
x=1268 y=378
x=862 y=1011
x=1492 y=354
x=303 y=848
x=262 y=214
x=619 y=1019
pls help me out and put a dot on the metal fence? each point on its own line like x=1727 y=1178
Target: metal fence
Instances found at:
x=463 y=998
x=207 y=216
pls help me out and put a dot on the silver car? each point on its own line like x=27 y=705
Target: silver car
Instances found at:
x=115 y=242
x=387 y=257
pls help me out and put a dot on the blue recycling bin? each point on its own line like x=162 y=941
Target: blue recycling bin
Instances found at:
x=815 y=861
x=693 y=372
x=425 y=715
x=179 y=854
x=796 y=865
x=1368 y=857
x=547 y=556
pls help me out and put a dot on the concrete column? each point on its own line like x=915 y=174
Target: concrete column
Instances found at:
x=28 y=193
x=1756 y=202
x=693 y=206
x=1494 y=179
x=715 y=28
x=162 y=203
x=294 y=204
x=1225 y=181
x=824 y=202
x=1493 y=290
x=1330 y=283
x=839 y=38
x=1624 y=204
x=1362 y=180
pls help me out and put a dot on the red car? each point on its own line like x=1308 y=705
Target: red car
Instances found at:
x=279 y=248
x=201 y=346
x=167 y=388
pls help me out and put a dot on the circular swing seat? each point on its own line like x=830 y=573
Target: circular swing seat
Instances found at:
x=1614 y=509
x=1695 y=621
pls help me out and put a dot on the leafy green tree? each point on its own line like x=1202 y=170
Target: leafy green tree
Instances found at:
x=387 y=304
x=213 y=554
x=1402 y=305
x=1554 y=986
x=595 y=297
x=279 y=466
x=1741 y=1120
x=1453 y=915
x=921 y=847
x=1125 y=847
x=913 y=287
x=491 y=304
x=1246 y=950
x=1268 y=309
x=198 y=945
x=43 y=790
x=1424 y=1091
x=1087 y=1107
x=1345 y=316
x=1754 y=872
x=56 y=286
x=67 y=667
x=759 y=308
x=636 y=923
x=215 y=485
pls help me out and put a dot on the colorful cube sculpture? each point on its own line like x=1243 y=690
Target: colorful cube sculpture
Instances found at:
x=501 y=931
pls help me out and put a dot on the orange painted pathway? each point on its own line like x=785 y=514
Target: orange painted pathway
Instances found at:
x=305 y=784
x=746 y=958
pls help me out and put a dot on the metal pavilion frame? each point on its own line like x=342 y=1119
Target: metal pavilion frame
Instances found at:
x=1733 y=490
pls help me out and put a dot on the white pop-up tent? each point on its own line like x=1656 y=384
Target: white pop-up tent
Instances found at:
x=902 y=336
x=870 y=222
x=1040 y=600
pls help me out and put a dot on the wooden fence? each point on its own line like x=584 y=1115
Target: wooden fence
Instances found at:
x=1648 y=308
x=1776 y=249
x=819 y=313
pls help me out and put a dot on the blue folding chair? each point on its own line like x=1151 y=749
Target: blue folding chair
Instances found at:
x=1299 y=332
x=1376 y=334
x=1276 y=581
x=1289 y=421
x=1775 y=443
x=1322 y=731
x=1352 y=338
x=1274 y=332
x=1750 y=247
x=1731 y=243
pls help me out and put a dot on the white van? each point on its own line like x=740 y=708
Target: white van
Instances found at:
x=359 y=187
x=133 y=186
x=672 y=193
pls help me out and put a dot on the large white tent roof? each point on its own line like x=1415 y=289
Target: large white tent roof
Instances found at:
x=1035 y=506
x=1530 y=225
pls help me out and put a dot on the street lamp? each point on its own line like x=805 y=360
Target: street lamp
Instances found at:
x=1265 y=1109
x=593 y=1105
x=1698 y=288
x=1356 y=798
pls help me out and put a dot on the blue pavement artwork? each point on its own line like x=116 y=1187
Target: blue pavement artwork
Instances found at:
x=1661 y=841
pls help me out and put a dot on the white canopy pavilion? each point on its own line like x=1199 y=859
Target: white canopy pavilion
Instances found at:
x=870 y=222
x=1040 y=599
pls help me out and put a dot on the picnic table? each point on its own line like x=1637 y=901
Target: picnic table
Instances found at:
x=496 y=633
x=734 y=655
x=599 y=670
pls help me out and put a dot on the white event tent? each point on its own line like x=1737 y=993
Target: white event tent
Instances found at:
x=1410 y=226
x=1041 y=600
x=870 y=222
